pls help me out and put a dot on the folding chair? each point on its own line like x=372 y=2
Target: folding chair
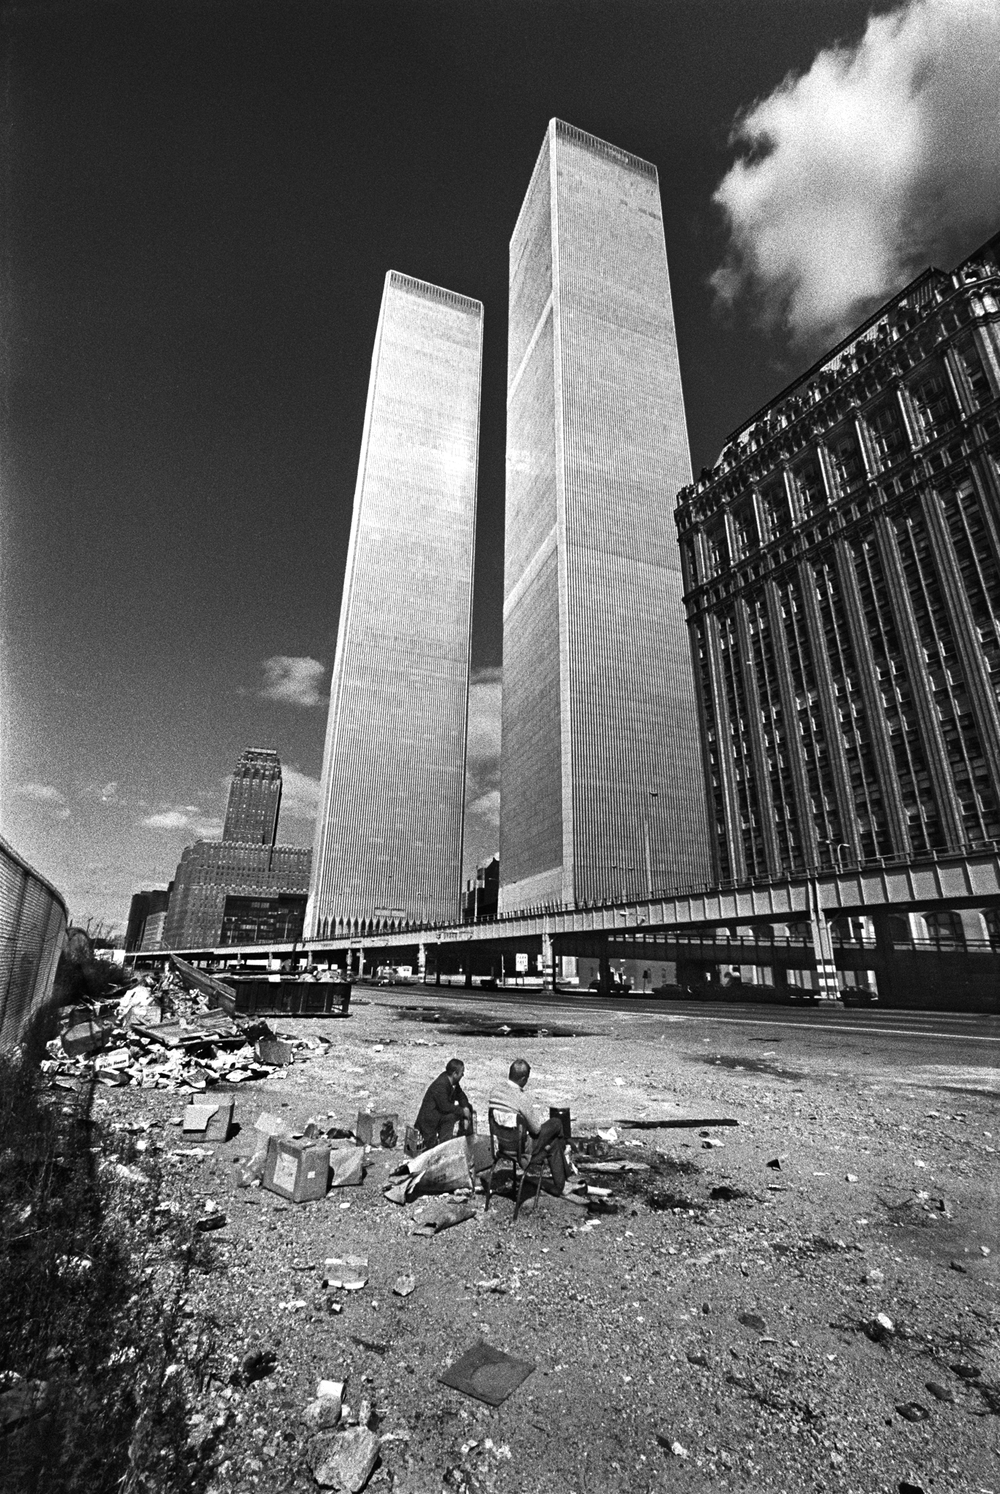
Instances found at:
x=511 y=1144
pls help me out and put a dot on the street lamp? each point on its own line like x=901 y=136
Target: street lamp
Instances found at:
x=836 y=846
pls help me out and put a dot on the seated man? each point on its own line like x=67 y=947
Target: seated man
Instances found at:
x=543 y=1134
x=445 y=1110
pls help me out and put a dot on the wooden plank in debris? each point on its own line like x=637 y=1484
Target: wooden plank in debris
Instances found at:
x=217 y=991
x=675 y=1121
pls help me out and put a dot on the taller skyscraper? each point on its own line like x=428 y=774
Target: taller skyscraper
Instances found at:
x=389 y=829
x=254 y=798
x=600 y=765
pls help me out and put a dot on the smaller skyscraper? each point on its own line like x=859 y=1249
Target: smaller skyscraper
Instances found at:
x=389 y=829
x=254 y=798
x=246 y=863
x=144 y=905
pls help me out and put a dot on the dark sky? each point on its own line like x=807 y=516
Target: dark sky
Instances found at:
x=200 y=202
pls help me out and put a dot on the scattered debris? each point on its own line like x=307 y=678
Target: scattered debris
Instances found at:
x=166 y=1033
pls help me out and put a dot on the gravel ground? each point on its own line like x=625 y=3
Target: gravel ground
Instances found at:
x=681 y=1342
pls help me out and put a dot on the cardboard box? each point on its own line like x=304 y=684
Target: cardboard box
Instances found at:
x=210 y=1120
x=347 y=1167
x=379 y=1129
x=296 y=1170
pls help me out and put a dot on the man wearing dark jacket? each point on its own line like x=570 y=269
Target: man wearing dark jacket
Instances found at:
x=445 y=1110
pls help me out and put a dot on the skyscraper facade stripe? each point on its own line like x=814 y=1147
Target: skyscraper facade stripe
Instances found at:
x=389 y=829
x=600 y=759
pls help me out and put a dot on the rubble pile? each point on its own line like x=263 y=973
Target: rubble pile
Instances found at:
x=165 y=1035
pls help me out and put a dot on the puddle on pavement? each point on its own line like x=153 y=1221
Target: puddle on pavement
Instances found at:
x=467 y=1024
x=748 y=1066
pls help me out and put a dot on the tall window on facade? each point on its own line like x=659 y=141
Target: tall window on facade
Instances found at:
x=933 y=403
x=979 y=569
x=977 y=381
x=774 y=736
x=717 y=546
x=809 y=484
x=711 y=737
x=745 y=529
x=847 y=462
x=774 y=507
x=744 y=779
x=888 y=437
x=980 y=814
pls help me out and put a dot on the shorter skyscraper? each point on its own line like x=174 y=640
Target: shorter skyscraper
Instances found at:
x=842 y=577
x=211 y=871
x=389 y=828
x=254 y=798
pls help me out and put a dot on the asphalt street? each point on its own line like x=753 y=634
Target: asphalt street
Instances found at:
x=959 y=1051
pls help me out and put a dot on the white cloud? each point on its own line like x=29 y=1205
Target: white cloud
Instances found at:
x=881 y=158
x=186 y=817
x=293 y=681
x=46 y=797
x=299 y=794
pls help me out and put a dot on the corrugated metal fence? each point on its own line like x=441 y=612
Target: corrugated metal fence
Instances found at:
x=32 y=933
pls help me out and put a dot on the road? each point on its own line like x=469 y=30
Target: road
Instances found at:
x=943 y=1050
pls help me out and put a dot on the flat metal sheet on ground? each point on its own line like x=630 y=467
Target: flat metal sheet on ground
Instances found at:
x=486 y=1374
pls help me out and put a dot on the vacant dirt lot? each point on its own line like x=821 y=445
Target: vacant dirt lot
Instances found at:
x=681 y=1341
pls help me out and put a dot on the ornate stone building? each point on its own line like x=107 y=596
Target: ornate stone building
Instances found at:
x=842 y=579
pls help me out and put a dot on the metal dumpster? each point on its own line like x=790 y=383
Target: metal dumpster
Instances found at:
x=285 y=996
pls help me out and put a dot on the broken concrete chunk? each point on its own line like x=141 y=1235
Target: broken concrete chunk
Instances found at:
x=210 y=1120
x=322 y=1413
x=344 y=1460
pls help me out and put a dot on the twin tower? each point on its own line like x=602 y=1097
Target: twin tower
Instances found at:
x=601 y=776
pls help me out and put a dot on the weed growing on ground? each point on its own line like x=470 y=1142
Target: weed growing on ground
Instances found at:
x=90 y=1323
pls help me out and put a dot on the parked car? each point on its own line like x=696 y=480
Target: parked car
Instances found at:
x=858 y=996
